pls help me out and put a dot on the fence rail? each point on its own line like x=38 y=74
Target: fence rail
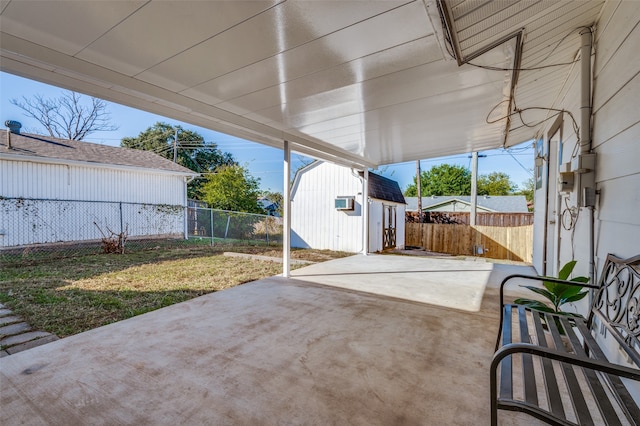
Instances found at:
x=30 y=228
x=496 y=242
x=483 y=219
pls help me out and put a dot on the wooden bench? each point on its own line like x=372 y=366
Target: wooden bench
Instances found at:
x=557 y=369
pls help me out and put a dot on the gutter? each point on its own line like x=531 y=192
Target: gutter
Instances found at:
x=447 y=22
x=67 y=162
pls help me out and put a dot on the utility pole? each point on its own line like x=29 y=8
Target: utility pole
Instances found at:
x=175 y=146
x=419 y=188
x=474 y=188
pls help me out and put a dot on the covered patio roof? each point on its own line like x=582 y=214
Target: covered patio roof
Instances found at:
x=357 y=83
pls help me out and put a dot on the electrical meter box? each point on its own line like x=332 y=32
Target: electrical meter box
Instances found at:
x=566 y=178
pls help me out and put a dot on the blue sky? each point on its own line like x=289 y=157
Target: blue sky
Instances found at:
x=263 y=162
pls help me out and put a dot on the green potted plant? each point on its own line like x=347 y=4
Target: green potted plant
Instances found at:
x=557 y=294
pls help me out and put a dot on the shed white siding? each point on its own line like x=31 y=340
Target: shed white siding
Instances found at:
x=315 y=222
x=27 y=179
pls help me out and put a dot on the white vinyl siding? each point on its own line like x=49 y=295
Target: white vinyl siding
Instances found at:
x=25 y=179
x=616 y=138
x=45 y=203
x=315 y=222
x=616 y=143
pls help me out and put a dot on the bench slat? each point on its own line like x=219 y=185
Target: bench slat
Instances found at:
x=506 y=369
x=629 y=406
x=528 y=374
x=553 y=393
x=599 y=393
x=573 y=386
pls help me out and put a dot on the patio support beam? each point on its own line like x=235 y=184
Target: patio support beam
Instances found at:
x=286 y=225
x=365 y=212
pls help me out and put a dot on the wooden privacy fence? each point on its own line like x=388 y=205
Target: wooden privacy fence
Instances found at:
x=496 y=242
x=462 y=218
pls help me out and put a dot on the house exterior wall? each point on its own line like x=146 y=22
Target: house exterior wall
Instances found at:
x=616 y=143
x=616 y=130
x=27 y=179
x=315 y=223
x=45 y=203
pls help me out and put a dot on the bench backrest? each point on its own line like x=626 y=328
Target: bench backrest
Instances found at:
x=616 y=305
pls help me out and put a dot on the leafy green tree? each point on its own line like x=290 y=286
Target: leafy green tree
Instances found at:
x=495 y=183
x=192 y=151
x=232 y=188
x=444 y=179
x=528 y=188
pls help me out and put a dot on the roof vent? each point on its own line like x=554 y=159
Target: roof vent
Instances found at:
x=13 y=126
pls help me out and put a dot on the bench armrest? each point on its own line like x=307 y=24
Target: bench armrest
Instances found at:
x=539 y=278
x=533 y=278
x=594 y=364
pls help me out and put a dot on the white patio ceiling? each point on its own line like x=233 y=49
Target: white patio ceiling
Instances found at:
x=361 y=83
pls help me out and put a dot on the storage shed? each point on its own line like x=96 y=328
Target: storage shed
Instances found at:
x=327 y=210
x=54 y=190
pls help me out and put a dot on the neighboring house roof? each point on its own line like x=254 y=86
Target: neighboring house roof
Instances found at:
x=385 y=189
x=45 y=147
x=495 y=203
x=269 y=206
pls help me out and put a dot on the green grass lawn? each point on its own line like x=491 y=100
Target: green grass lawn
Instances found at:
x=69 y=296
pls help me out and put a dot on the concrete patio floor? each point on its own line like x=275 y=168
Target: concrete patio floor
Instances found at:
x=363 y=340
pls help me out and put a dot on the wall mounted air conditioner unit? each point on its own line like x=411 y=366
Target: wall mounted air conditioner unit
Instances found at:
x=344 y=203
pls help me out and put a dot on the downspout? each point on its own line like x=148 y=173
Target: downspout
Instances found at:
x=585 y=131
x=545 y=244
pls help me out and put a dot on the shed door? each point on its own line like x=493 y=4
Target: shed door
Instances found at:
x=388 y=227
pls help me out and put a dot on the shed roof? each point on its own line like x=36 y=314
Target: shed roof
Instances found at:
x=496 y=203
x=45 y=147
x=385 y=189
x=380 y=187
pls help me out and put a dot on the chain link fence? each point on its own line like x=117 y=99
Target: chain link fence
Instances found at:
x=32 y=229
x=227 y=227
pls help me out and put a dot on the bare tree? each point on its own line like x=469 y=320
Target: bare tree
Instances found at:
x=67 y=116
